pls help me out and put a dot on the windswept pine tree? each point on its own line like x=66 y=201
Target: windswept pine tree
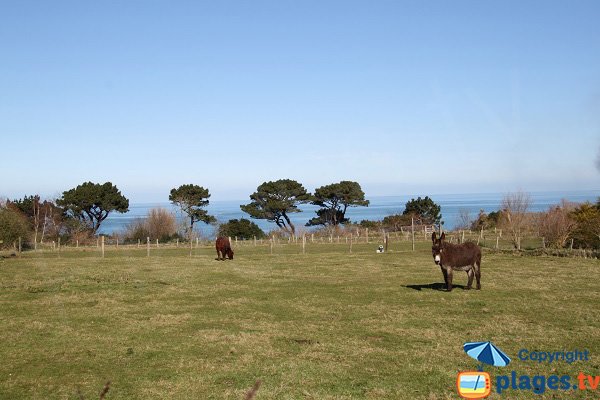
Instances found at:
x=334 y=200
x=275 y=200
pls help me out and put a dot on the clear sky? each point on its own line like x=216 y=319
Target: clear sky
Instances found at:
x=405 y=97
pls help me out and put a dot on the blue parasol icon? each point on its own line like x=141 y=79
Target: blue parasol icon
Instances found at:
x=487 y=353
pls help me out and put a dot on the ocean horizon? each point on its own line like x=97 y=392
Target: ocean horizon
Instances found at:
x=380 y=206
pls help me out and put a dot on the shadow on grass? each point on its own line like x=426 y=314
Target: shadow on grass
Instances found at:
x=440 y=287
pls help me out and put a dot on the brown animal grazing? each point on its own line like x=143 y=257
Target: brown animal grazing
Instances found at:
x=459 y=257
x=223 y=248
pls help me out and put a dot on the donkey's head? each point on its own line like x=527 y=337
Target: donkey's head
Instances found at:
x=437 y=247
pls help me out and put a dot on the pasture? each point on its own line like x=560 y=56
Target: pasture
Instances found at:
x=322 y=325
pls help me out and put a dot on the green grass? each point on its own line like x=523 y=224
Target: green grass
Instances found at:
x=323 y=325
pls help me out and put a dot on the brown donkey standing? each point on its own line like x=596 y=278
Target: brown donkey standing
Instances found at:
x=459 y=257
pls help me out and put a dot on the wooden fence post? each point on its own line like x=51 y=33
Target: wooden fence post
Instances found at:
x=497 y=240
x=147 y=246
x=412 y=229
x=102 y=245
x=157 y=243
x=303 y=244
x=19 y=246
x=367 y=234
x=386 y=240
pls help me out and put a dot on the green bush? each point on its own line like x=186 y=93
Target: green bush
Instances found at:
x=487 y=221
x=13 y=225
x=242 y=229
x=397 y=221
x=586 y=235
x=365 y=223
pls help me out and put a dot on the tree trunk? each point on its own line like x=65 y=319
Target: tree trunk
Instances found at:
x=44 y=226
x=293 y=229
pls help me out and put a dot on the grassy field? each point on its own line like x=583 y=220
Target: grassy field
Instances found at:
x=321 y=325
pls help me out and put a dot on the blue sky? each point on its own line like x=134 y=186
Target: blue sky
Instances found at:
x=405 y=97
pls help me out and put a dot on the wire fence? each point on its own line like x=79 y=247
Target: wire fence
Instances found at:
x=348 y=240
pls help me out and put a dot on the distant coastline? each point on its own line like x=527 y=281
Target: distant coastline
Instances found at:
x=380 y=207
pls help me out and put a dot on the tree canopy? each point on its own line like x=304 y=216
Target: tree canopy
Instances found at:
x=424 y=209
x=242 y=228
x=192 y=199
x=28 y=205
x=93 y=202
x=274 y=200
x=334 y=200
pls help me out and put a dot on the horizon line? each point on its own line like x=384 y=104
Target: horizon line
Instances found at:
x=582 y=191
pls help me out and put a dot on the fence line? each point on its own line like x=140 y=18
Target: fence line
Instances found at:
x=488 y=239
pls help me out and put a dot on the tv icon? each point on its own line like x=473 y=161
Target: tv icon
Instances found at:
x=473 y=385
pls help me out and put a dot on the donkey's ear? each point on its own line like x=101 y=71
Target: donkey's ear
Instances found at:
x=443 y=236
x=433 y=237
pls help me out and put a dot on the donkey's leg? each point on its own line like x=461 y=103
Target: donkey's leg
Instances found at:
x=445 y=275
x=478 y=274
x=470 y=274
x=449 y=282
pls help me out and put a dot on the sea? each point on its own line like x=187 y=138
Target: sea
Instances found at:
x=452 y=206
